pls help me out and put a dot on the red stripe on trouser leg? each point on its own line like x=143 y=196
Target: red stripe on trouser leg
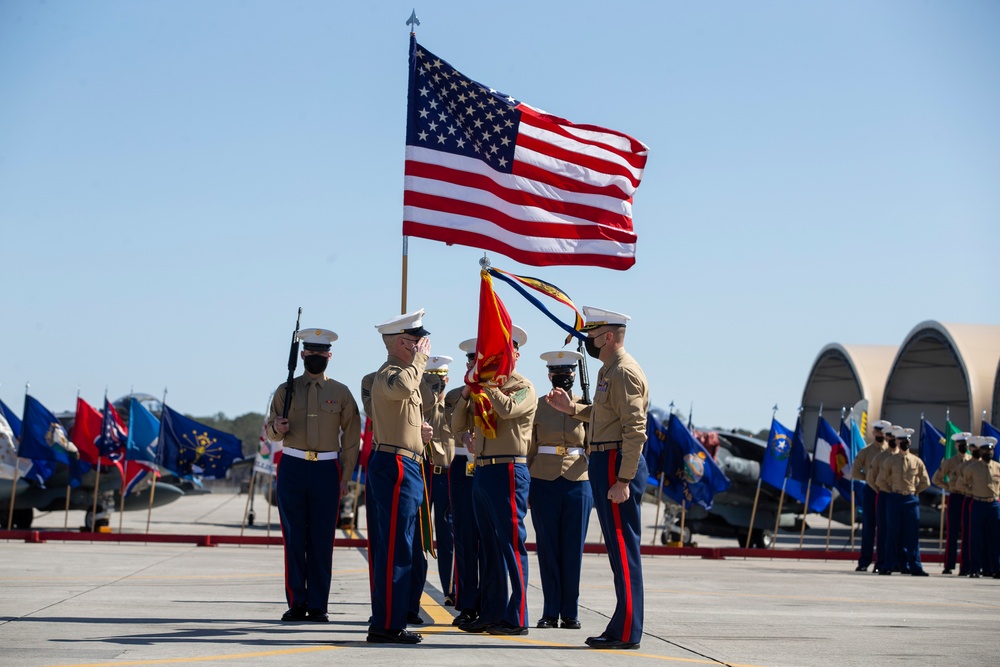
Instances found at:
x=521 y=612
x=620 y=543
x=390 y=556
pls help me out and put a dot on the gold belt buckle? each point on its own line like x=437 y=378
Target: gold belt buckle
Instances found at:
x=311 y=456
x=562 y=450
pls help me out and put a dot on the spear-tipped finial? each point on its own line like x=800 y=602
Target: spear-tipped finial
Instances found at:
x=485 y=263
x=413 y=21
x=774 y=410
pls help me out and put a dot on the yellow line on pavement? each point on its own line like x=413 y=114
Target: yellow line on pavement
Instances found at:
x=205 y=658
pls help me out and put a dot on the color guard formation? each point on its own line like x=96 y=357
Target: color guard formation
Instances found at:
x=563 y=455
x=891 y=512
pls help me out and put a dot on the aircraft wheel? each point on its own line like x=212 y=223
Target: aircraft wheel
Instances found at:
x=22 y=518
x=664 y=539
x=762 y=539
x=250 y=518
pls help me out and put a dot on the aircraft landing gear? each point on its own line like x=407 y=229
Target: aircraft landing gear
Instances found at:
x=22 y=518
x=760 y=538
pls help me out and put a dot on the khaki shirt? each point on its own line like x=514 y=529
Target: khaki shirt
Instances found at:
x=553 y=428
x=396 y=406
x=621 y=400
x=862 y=462
x=338 y=417
x=903 y=473
x=947 y=469
x=981 y=480
x=515 y=404
x=876 y=467
x=442 y=444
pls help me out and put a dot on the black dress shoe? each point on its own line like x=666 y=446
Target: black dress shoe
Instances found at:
x=861 y=568
x=294 y=614
x=608 y=643
x=974 y=575
x=414 y=619
x=476 y=626
x=317 y=616
x=505 y=628
x=449 y=601
x=918 y=573
x=885 y=572
x=547 y=622
x=379 y=636
x=571 y=623
x=467 y=616
x=947 y=570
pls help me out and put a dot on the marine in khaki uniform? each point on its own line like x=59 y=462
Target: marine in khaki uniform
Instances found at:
x=981 y=481
x=320 y=439
x=905 y=476
x=560 y=497
x=440 y=452
x=395 y=483
x=861 y=469
x=958 y=481
x=617 y=470
x=500 y=500
x=943 y=479
x=463 y=517
x=881 y=496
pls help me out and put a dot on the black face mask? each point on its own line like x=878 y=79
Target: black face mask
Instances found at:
x=975 y=454
x=315 y=364
x=879 y=438
x=592 y=348
x=437 y=387
x=962 y=448
x=904 y=446
x=563 y=381
x=892 y=444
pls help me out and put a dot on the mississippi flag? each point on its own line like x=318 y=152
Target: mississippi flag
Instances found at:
x=487 y=171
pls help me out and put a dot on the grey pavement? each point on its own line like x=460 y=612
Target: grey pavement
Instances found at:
x=83 y=603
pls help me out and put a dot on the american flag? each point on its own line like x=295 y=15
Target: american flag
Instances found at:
x=487 y=171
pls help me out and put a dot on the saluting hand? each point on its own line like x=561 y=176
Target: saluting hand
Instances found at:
x=280 y=425
x=423 y=345
x=560 y=400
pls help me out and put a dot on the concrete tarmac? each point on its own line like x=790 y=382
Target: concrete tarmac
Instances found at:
x=89 y=604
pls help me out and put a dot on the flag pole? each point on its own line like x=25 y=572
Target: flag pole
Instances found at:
x=659 y=499
x=805 y=511
x=683 y=513
x=156 y=467
x=121 y=493
x=413 y=22
x=66 y=513
x=246 y=508
x=17 y=469
x=781 y=501
x=829 y=523
x=753 y=514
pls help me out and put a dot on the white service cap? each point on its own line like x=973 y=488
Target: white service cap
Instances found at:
x=411 y=323
x=558 y=358
x=599 y=317
x=316 y=340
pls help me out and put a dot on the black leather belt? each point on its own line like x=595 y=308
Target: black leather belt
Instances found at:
x=401 y=451
x=491 y=460
x=605 y=446
x=440 y=469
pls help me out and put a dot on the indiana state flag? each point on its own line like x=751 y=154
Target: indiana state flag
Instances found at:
x=774 y=467
x=45 y=442
x=690 y=473
x=188 y=448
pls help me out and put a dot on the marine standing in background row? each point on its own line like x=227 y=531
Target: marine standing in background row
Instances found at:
x=320 y=440
x=944 y=478
x=862 y=469
x=500 y=499
x=881 y=498
x=463 y=518
x=441 y=450
x=395 y=484
x=981 y=483
x=560 y=497
x=905 y=475
x=617 y=469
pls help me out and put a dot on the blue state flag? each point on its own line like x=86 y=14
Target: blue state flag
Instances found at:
x=774 y=467
x=12 y=419
x=191 y=448
x=932 y=446
x=989 y=430
x=691 y=474
x=799 y=473
x=847 y=483
x=143 y=435
x=45 y=442
x=653 y=452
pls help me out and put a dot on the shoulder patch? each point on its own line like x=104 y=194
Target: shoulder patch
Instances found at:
x=520 y=395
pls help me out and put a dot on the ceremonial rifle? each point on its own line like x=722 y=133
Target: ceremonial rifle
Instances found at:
x=584 y=376
x=293 y=361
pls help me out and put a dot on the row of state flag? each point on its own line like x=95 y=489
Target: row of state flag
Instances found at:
x=174 y=443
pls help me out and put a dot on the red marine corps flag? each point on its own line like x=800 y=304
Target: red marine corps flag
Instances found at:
x=494 y=354
x=488 y=171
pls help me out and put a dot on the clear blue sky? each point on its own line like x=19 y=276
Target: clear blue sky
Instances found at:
x=176 y=178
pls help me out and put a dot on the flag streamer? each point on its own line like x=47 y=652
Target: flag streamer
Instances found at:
x=548 y=289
